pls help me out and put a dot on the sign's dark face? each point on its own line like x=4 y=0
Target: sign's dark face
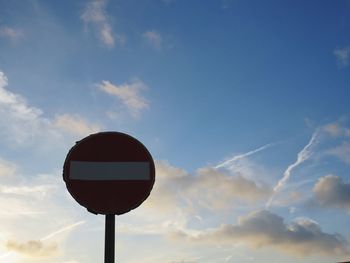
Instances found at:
x=109 y=173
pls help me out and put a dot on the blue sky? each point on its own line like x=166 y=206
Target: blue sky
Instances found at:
x=243 y=105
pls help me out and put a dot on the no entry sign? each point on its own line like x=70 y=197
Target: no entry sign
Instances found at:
x=109 y=173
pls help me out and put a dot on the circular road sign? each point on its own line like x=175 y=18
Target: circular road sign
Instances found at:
x=109 y=173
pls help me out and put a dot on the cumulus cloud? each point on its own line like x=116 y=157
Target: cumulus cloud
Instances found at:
x=128 y=94
x=331 y=191
x=75 y=124
x=153 y=38
x=265 y=229
x=208 y=188
x=342 y=56
x=32 y=248
x=94 y=14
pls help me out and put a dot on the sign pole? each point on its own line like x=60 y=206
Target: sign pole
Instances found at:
x=109 y=238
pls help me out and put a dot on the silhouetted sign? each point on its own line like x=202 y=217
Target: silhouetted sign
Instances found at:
x=109 y=173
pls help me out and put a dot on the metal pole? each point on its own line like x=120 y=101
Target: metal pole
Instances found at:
x=109 y=238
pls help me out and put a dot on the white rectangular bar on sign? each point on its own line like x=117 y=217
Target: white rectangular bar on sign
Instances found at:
x=103 y=171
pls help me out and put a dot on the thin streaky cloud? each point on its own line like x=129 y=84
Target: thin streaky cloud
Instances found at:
x=302 y=156
x=241 y=156
x=61 y=230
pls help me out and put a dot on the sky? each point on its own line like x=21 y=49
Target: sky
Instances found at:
x=244 y=106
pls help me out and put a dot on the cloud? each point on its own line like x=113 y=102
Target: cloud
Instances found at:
x=233 y=159
x=95 y=14
x=7 y=168
x=33 y=203
x=265 y=229
x=128 y=94
x=153 y=38
x=19 y=122
x=208 y=188
x=26 y=189
x=75 y=124
x=64 y=229
x=336 y=129
x=302 y=156
x=342 y=56
x=10 y=33
x=331 y=191
x=25 y=125
x=32 y=248
x=342 y=152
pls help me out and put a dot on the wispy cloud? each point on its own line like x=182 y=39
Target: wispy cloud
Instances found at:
x=336 y=129
x=265 y=229
x=10 y=33
x=75 y=124
x=24 y=125
x=235 y=158
x=342 y=56
x=7 y=168
x=26 y=189
x=342 y=152
x=61 y=230
x=153 y=38
x=128 y=94
x=302 y=156
x=95 y=14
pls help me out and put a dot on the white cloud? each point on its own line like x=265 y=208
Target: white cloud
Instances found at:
x=331 y=191
x=10 y=33
x=34 y=208
x=7 y=168
x=128 y=94
x=25 y=125
x=208 y=188
x=342 y=56
x=265 y=229
x=336 y=129
x=26 y=189
x=342 y=152
x=302 y=156
x=153 y=38
x=32 y=248
x=19 y=122
x=227 y=163
x=75 y=124
x=96 y=15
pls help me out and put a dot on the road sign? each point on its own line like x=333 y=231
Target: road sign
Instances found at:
x=109 y=173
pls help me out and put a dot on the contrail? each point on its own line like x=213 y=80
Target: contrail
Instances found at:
x=66 y=228
x=302 y=156
x=241 y=156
